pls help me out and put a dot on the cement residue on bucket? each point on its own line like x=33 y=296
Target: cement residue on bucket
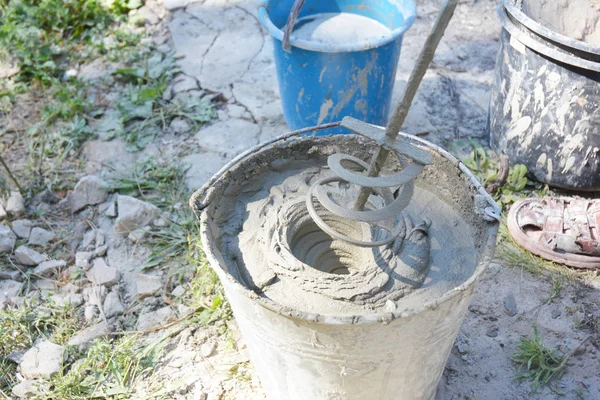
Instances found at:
x=339 y=28
x=273 y=247
x=577 y=19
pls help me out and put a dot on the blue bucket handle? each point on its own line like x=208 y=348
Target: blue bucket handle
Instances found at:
x=289 y=25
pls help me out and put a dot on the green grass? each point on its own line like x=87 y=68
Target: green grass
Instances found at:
x=161 y=183
x=107 y=371
x=144 y=113
x=539 y=364
x=41 y=34
x=510 y=253
x=21 y=327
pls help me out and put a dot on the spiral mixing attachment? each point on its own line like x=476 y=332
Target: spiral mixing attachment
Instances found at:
x=412 y=158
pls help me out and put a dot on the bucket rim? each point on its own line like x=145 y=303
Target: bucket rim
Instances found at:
x=547 y=33
x=541 y=48
x=275 y=32
x=197 y=203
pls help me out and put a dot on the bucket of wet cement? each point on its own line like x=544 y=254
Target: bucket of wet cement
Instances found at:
x=326 y=320
x=342 y=61
x=544 y=104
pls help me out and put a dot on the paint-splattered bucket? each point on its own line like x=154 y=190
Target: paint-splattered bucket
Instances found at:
x=392 y=354
x=321 y=83
x=544 y=104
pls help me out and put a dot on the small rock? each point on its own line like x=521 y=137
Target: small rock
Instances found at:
x=63 y=299
x=113 y=305
x=45 y=287
x=16 y=356
x=95 y=295
x=137 y=235
x=82 y=259
x=15 y=204
x=510 y=305
x=147 y=285
x=178 y=291
x=70 y=73
x=26 y=256
x=100 y=239
x=555 y=313
x=89 y=334
x=182 y=310
x=43 y=360
x=11 y=274
x=101 y=251
x=88 y=239
x=40 y=237
x=9 y=289
x=208 y=348
x=109 y=207
x=90 y=313
x=148 y=15
x=7 y=239
x=70 y=288
x=102 y=274
x=180 y=125
x=22 y=228
x=3 y=213
x=8 y=67
x=47 y=268
x=492 y=331
x=154 y=319
x=175 y=4
x=133 y=214
x=160 y=222
x=90 y=190
x=462 y=345
x=24 y=389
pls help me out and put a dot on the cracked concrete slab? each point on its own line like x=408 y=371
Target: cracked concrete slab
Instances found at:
x=219 y=44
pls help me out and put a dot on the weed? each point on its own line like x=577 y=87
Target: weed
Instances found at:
x=107 y=370
x=41 y=34
x=143 y=111
x=539 y=364
x=20 y=327
x=485 y=166
x=8 y=379
x=556 y=290
x=161 y=183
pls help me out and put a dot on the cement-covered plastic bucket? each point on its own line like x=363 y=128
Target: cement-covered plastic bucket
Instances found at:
x=389 y=355
x=321 y=83
x=543 y=108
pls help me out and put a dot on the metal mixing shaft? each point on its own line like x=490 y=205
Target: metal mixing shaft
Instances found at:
x=412 y=158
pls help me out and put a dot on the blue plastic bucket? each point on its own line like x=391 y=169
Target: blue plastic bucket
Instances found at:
x=322 y=83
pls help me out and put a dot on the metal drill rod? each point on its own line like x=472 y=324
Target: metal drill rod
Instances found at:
x=400 y=113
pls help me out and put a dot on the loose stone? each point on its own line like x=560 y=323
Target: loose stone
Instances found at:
x=102 y=274
x=7 y=239
x=26 y=256
x=47 y=268
x=43 y=360
x=40 y=237
x=22 y=228
x=510 y=305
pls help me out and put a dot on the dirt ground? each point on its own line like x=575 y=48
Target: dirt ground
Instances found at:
x=226 y=56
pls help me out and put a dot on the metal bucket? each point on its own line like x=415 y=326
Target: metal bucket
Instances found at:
x=298 y=355
x=543 y=109
x=321 y=83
